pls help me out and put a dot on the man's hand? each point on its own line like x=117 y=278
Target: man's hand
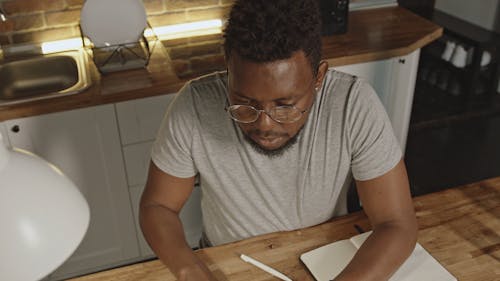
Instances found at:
x=197 y=272
x=387 y=203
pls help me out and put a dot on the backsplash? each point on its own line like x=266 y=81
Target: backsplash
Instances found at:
x=34 y=21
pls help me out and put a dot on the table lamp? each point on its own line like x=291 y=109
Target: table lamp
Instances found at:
x=43 y=216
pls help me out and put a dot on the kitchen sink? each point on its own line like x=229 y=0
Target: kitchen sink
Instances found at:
x=43 y=77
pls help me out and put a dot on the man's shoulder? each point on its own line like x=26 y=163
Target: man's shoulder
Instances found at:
x=204 y=91
x=341 y=82
x=215 y=80
x=339 y=75
x=346 y=86
x=337 y=87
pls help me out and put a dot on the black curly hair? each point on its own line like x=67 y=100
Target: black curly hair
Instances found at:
x=270 y=30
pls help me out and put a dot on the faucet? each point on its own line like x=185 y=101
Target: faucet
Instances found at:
x=3 y=18
x=3 y=15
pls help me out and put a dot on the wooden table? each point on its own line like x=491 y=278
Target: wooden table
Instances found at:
x=460 y=227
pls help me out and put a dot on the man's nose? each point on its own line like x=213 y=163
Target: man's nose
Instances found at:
x=264 y=123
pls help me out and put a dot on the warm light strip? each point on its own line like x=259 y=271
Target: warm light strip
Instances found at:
x=186 y=29
x=190 y=34
x=164 y=32
x=61 y=45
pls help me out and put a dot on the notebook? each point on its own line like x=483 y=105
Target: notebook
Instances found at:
x=326 y=262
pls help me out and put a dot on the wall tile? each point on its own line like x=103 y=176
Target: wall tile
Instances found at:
x=45 y=35
x=4 y=40
x=168 y=18
x=27 y=22
x=7 y=26
x=30 y=6
x=184 y=4
x=206 y=14
x=181 y=67
x=74 y=3
x=208 y=48
x=175 y=42
x=69 y=17
x=207 y=63
x=154 y=6
x=181 y=52
x=206 y=38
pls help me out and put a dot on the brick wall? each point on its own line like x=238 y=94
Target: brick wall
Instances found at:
x=33 y=21
x=196 y=56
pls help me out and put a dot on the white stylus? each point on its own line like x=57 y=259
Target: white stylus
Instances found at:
x=266 y=268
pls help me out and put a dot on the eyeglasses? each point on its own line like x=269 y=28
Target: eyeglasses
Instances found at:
x=249 y=114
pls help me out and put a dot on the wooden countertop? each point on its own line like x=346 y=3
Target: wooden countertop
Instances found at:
x=460 y=227
x=373 y=35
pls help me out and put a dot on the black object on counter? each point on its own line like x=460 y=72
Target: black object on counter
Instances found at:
x=334 y=15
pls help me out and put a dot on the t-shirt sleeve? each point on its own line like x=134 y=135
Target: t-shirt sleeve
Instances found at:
x=374 y=148
x=171 y=151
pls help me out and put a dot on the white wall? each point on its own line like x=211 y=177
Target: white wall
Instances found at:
x=479 y=12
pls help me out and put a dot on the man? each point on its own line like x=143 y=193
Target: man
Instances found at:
x=276 y=141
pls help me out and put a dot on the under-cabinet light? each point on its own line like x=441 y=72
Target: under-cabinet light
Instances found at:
x=61 y=45
x=183 y=30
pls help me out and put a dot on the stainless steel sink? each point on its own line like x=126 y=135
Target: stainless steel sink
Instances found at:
x=43 y=77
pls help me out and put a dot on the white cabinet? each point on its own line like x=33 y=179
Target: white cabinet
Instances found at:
x=394 y=81
x=137 y=157
x=85 y=145
x=139 y=121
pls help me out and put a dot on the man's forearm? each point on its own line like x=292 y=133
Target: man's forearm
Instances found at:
x=382 y=253
x=163 y=230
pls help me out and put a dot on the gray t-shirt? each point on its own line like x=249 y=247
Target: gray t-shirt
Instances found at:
x=244 y=193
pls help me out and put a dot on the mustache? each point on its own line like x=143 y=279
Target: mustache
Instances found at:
x=266 y=134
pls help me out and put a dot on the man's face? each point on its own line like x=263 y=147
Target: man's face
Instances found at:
x=266 y=85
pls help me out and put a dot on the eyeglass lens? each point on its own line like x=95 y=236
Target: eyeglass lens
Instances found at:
x=283 y=114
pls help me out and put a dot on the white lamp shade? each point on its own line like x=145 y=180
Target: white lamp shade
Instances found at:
x=43 y=216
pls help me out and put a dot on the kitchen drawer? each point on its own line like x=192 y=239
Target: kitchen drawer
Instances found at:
x=190 y=217
x=139 y=120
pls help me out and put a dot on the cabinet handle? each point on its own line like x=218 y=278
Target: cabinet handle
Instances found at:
x=402 y=61
x=15 y=129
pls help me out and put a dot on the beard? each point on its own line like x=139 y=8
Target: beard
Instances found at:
x=276 y=152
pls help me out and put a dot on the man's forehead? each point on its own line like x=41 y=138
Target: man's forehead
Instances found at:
x=266 y=96
x=283 y=78
x=297 y=58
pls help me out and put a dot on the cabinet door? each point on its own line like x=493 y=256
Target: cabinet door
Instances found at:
x=137 y=158
x=85 y=145
x=139 y=120
x=400 y=103
x=394 y=81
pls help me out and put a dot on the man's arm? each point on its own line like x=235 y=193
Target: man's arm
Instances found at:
x=387 y=203
x=161 y=203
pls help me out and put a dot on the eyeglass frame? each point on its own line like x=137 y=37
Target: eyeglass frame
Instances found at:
x=259 y=111
x=227 y=108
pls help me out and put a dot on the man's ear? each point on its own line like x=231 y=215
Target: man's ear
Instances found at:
x=322 y=69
